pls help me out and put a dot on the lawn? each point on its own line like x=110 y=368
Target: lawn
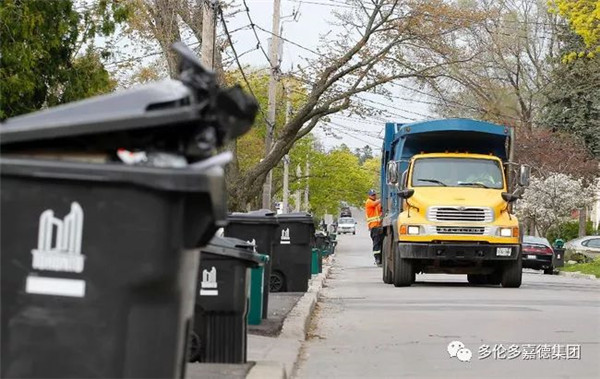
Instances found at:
x=592 y=268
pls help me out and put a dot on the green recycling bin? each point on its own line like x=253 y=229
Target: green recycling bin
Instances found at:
x=316 y=264
x=257 y=278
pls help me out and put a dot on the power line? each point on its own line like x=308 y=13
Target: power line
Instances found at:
x=239 y=64
x=253 y=25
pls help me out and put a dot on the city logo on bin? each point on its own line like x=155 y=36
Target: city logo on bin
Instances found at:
x=59 y=242
x=285 y=236
x=208 y=286
x=253 y=243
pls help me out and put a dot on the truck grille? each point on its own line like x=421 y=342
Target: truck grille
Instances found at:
x=460 y=230
x=465 y=214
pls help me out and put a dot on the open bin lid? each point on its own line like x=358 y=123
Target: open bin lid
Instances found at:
x=233 y=248
x=191 y=116
x=261 y=216
x=301 y=217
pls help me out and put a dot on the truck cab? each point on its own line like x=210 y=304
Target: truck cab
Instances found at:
x=446 y=198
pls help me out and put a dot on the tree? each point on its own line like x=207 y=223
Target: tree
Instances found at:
x=380 y=43
x=550 y=201
x=160 y=23
x=550 y=152
x=572 y=97
x=337 y=176
x=584 y=19
x=40 y=62
x=513 y=45
x=364 y=154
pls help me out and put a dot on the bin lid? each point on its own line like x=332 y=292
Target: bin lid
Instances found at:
x=233 y=248
x=261 y=216
x=301 y=217
x=190 y=116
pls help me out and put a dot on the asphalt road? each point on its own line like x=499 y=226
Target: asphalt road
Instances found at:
x=365 y=328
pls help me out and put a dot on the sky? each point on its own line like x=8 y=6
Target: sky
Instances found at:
x=303 y=22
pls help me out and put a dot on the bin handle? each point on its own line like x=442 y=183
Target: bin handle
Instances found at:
x=218 y=160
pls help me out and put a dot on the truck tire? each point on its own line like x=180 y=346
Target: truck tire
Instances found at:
x=495 y=278
x=385 y=251
x=403 y=271
x=512 y=274
x=476 y=279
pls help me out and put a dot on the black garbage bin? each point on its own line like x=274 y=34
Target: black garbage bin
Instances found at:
x=558 y=260
x=292 y=253
x=99 y=258
x=257 y=227
x=221 y=310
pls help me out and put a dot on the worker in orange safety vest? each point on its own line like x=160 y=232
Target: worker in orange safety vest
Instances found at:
x=373 y=211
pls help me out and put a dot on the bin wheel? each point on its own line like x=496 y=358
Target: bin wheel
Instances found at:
x=277 y=282
x=194 y=348
x=549 y=271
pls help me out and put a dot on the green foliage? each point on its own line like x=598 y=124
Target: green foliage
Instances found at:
x=569 y=230
x=591 y=267
x=584 y=19
x=251 y=146
x=573 y=97
x=335 y=176
x=39 y=65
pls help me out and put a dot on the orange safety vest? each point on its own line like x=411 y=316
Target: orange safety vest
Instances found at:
x=373 y=210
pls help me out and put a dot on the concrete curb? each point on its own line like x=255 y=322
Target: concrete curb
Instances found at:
x=294 y=329
x=577 y=274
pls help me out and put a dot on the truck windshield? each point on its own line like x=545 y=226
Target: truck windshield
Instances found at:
x=457 y=172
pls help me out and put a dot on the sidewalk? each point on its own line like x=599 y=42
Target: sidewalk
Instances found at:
x=274 y=345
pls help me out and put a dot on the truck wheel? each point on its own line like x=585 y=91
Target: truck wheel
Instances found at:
x=403 y=271
x=512 y=274
x=495 y=278
x=385 y=251
x=477 y=279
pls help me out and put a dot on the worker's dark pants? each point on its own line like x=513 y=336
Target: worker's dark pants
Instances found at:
x=377 y=237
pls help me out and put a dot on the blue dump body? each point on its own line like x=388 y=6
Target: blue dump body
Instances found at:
x=403 y=141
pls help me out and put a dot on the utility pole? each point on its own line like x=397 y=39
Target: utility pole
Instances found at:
x=286 y=159
x=274 y=62
x=209 y=15
x=298 y=197
x=306 y=203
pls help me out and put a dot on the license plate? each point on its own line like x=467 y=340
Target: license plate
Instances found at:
x=531 y=257
x=503 y=251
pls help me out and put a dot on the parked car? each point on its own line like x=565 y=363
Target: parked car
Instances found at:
x=537 y=254
x=346 y=225
x=589 y=246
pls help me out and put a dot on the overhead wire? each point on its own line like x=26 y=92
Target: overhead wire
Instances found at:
x=239 y=64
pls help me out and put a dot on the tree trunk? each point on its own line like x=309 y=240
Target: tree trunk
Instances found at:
x=582 y=221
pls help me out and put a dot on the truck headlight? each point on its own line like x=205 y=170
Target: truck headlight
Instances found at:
x=413 y=230
x=509 y=232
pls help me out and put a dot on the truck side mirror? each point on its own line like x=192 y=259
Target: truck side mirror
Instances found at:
x=406 y=193
x=509 y=197
x=392 y=172
x=524 y=173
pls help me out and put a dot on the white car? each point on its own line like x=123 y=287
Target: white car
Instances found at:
x=346 y=225
x=589 y=246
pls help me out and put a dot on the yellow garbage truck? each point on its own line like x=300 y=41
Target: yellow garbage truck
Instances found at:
x=447 y=188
